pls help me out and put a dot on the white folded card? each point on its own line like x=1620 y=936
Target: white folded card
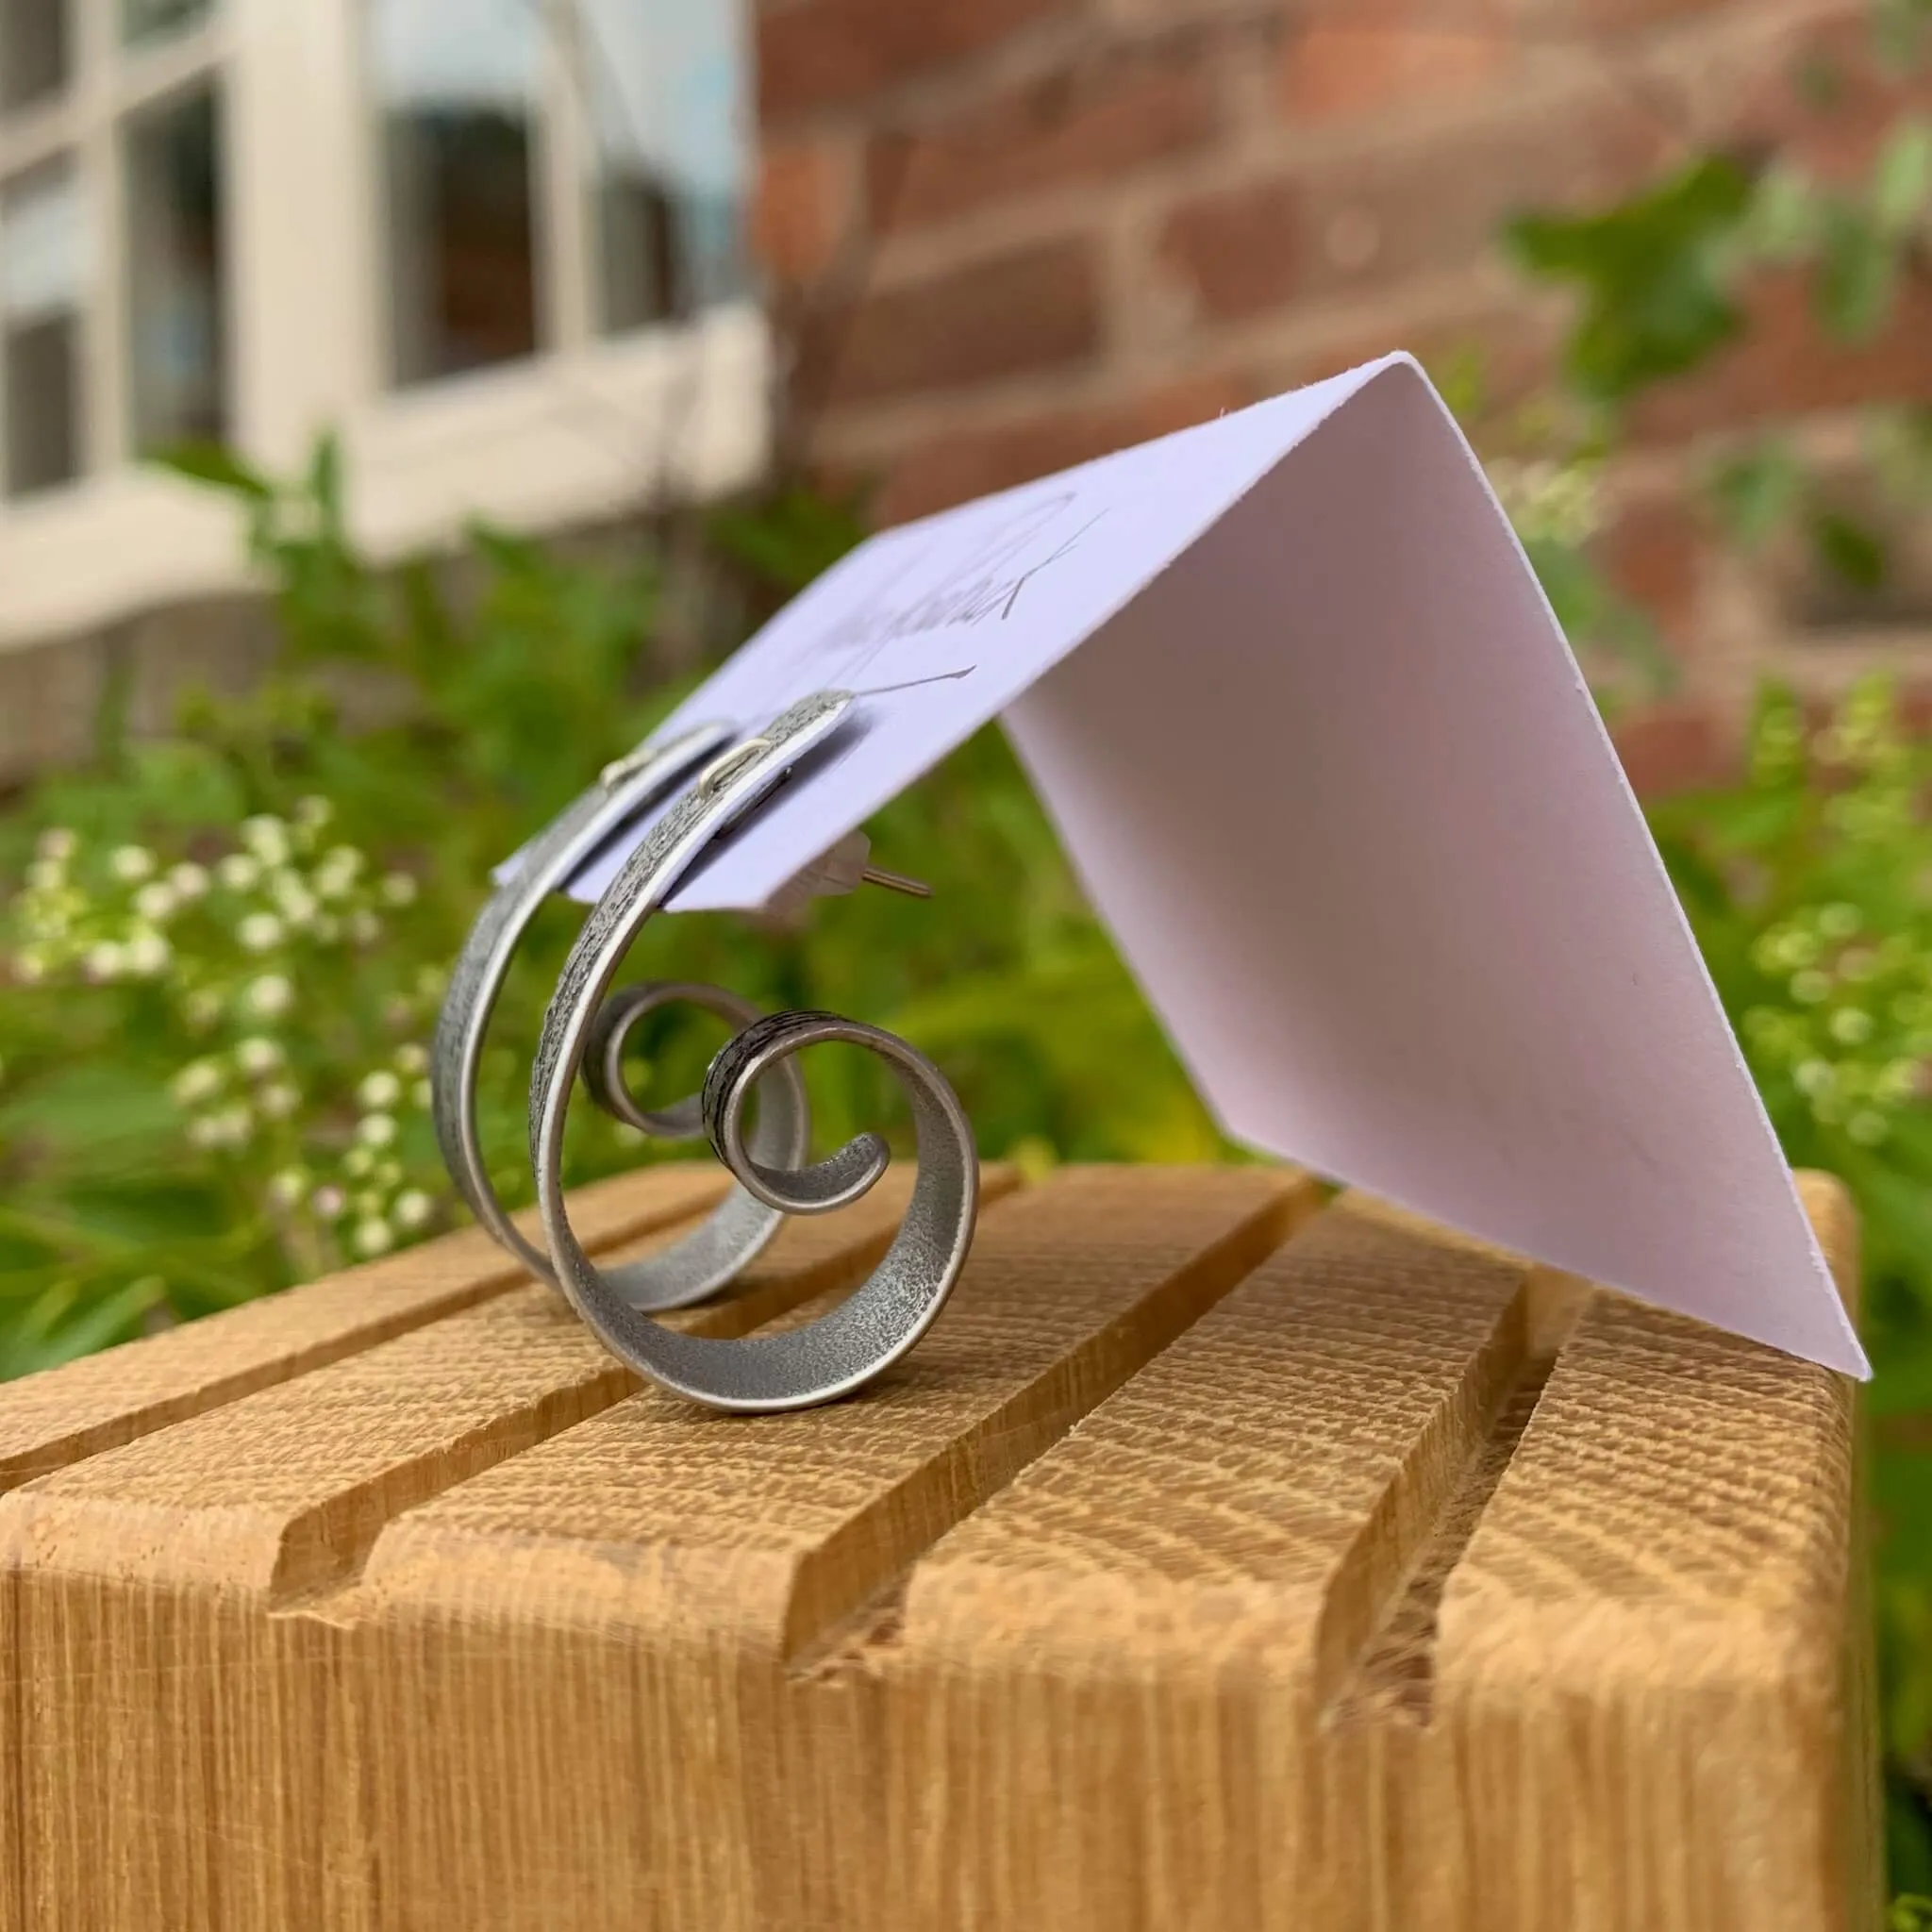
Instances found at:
x=1328 y=771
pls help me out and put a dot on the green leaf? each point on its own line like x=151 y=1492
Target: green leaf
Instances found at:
x=1758 y=490
x=1902 y=177
x=1857 y=274
x=217 y=467
x=1651 y=275
x=1849 y=550
x=326 y=479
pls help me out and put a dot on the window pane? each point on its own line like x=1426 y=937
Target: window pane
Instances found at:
x=665 y=84
x=176 y=276
x=43 y=273
x=457 y=82
x=141 y=18
x=34 y=51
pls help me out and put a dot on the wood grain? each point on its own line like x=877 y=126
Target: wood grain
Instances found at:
x=51 y=1420
x=1217 y=1561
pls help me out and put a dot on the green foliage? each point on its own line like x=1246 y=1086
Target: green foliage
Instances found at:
x=227 y=948
x=1809 y=888
x=1651 y=274
x=1809 y=884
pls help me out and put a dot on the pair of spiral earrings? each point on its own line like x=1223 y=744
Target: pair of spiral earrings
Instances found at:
x=724 y=777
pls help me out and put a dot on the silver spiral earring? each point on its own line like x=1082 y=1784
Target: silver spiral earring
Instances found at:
x=584 y=1034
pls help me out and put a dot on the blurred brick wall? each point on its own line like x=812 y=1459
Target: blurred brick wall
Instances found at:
x=1008 y=235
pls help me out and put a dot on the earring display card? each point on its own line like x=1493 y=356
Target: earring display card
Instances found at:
x=1330 y=773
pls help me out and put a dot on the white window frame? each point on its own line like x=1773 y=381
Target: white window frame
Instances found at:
x=587 y=430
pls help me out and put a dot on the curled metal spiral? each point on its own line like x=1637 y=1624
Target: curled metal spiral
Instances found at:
x=584 y=1034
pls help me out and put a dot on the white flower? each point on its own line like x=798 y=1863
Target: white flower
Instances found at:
x=289 y=1188
x=157 y=900
x=327 y=1202
x=190 y=881
x=255 y=1055
x=341 y=865
x=422 y=1095
x=30 y=965
x=375 y=1129
x=147 y=952
x=389 y=1174
x=412 y=1058
x=299 y=905
x=228 y=1127
x=44 y=922
x=313 y=810
x=202 y=1009
x=197 y=1081
x=238 y=872
x=105 y=962
x=267 y=837
x=260 y=932
x=57 y=844
x=357 y=1163
x=378 y=1090
x=46 y=875
x=398 y=889
x=412 y=1209
x=373 y=1237
x=131 y=863
x=279 y=1100
x=269 y=997
x=364 y=927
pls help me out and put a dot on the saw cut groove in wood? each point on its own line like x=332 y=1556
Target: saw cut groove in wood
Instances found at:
x=103 y=1401
x=1219 y=1560
x=1396 y=1677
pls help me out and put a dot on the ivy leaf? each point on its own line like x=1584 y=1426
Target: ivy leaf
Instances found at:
x=1652 y=273
x=1849 y=550
x=1902 y=179
x=1758 y=490
x=1856 y=273
x=216 y=468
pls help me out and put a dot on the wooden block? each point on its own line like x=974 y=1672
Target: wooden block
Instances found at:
x=1217 y=1561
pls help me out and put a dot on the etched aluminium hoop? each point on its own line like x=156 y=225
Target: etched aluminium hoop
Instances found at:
x=584 y=1031
x=735 y=1232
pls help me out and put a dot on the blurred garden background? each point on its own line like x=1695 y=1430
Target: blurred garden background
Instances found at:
x=364 y=497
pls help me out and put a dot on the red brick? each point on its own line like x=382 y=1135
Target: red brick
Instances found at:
x=1332 y=73
x=1073 y=128
x=1239 y=249
x=818 y=53
x=1786 y=363
x=952 y=469
x=1440 y=204
x=1514 y=349
x=802 y=208
x=1836 y=129
x=1612 y=16
x=1034 y=309
x=1675 y=747
x=1654 y=554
